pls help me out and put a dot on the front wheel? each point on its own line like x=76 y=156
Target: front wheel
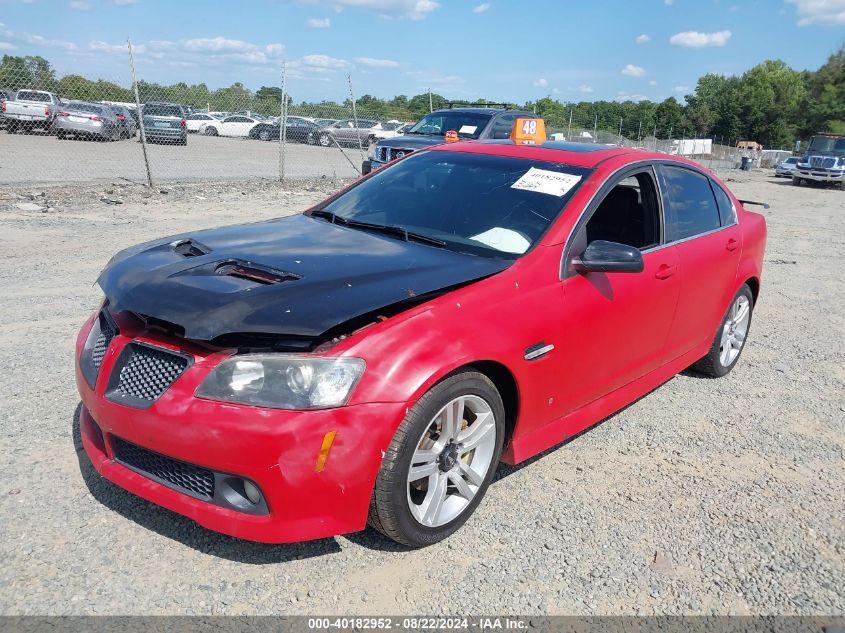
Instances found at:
x=264 y=135
x=730 y=337
x=441 y=461
x=324 y=140
x=211 y=131
x=796 y=181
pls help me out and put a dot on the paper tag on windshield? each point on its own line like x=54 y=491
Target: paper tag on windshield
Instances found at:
x=552 y=183
x=468 y=129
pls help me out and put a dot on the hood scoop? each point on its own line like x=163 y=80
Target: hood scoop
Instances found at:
x=190 y=248
x=254 y=272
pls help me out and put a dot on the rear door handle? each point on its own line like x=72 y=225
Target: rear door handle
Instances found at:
x=732 y=244
x=664 y=271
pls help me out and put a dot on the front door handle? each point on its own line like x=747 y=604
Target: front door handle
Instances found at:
x=664 y=271
x=732 y=244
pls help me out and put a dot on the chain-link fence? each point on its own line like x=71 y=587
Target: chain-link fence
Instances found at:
x=73 y=130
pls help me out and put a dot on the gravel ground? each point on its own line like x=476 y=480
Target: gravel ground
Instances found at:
x=706 y=496
x=205 y=158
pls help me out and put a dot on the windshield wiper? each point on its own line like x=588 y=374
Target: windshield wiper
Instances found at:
x=400 y=231
x=334 y=218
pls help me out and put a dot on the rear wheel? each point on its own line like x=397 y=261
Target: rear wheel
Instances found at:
x=796 y=181
x=324 y=140
x=264 y=135
x=441 y=461
x=730 y=337
x=211 y=131
x=60 y=134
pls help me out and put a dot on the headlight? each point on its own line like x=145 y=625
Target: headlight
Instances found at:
x=283 y=381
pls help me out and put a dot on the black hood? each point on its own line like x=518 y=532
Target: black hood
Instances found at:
x=297 y=276
x=412 y=141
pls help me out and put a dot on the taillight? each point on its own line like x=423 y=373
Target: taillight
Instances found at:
x=3 y=105
x=95 y=118
x=183 y=123
x=64 y=113
x=120 y=117
x=46 y=111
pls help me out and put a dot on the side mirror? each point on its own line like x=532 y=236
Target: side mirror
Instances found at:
x=609 y=257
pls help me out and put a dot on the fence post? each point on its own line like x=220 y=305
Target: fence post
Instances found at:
x=355 y=117
x=430 y=102
x=620 y=132
x=595 y=128
x=569 y=130
x=140 y=115
x=283 y=124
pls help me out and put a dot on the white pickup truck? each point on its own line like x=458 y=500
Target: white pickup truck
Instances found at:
x=31 y=109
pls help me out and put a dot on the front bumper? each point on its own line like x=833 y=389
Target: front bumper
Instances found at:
x=820 y=175
x=275 y=449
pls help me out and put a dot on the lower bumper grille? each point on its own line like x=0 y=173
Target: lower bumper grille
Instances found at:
x=192 y=480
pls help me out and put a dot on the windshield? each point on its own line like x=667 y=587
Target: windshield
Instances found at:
x=466 y=124
x=827 y=144
x=155 y=109
x=488 y=205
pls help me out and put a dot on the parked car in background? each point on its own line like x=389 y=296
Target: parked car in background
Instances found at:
x=90 y=121
x=391 y=129
x=823 y=162
x=31 y=110
x=165 y=123
x=126 y=122
x=297 y=130
x=786 y=167
x=237 y=125
x=325 y=122
x=344 y=133
x=195 y=121
x=5 y=95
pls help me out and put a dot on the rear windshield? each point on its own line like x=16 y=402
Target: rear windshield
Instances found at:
x=489 y=205
x=86 y=107
x=466 y=124
x=155 y=109
x=27 y=95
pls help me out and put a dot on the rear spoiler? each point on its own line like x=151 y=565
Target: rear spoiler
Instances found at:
x=765 y=205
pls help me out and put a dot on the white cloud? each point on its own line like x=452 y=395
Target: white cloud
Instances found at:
x=694 y=39
x=218 y=44
x=623 y=96
x=124 y=3
x=585 y=88
x=434 y=79
x=274 y=49
x=541 y=83
x=653 y=82
x=481 y=8
x=668 y=3
x=79 y=5
x=633 y=71
x=114 y=49
x=642 y=38
x=411 y=9
x=7 y=46
x=372 y=62
x=318 y=23
x=324 y=61
x=681 y=88
x=829 y=12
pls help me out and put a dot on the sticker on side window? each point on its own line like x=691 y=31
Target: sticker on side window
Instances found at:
x=552 y=183
x=468 y=129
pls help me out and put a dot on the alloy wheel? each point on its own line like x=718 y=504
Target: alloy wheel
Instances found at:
x=734 y=330
x=451 y=460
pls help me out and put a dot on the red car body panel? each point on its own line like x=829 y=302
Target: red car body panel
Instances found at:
x=615 y=337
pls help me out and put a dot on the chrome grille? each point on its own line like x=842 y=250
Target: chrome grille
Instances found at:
x=822 y=162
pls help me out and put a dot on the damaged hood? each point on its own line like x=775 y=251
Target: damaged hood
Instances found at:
x=295 y=276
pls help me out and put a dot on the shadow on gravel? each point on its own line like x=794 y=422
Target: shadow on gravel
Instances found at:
x=178 y=528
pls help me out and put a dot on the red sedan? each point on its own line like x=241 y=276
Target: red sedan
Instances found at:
x=372 y=360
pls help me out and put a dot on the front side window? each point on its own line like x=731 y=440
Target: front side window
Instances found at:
x=466 y=124
x=503 y=126
x=690 y=203
x=629 y=214
x=489 y=205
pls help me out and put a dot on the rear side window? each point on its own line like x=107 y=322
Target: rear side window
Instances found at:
x=503 y=126
x=26 y=95
x=689 y=199
x=727 y=213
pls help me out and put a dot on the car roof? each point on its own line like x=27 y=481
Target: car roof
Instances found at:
x=576 y=154
x=490 y=111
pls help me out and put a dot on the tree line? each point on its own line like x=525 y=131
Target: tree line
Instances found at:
x=769 y=103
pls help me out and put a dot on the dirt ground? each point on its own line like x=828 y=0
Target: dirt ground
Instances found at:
x=706 y=496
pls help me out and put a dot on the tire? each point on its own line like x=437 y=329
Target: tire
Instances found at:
x=60 y=135
x=324 y=140
x=184 y=142
x=733 y=329
x=796 y=181
x=211 y=131
x=12 y=128
x=407 y=511
x=264 y=135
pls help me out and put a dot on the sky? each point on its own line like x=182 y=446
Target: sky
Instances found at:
x=505 y=50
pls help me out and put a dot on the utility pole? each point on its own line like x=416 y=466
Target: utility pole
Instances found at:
x=430 y=102
x=283 y=129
